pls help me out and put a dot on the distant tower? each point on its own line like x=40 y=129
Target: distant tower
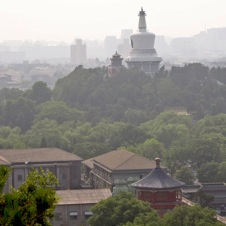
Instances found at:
x=78 y=53
x=159 y=189
x=116 y=64
x=143 y=54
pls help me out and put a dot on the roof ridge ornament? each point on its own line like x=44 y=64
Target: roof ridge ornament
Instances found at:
x=157 y=161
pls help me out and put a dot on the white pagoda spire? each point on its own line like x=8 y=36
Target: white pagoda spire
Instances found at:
x=142 y=21
x=143 y=54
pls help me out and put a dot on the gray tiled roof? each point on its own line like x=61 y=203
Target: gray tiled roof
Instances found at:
x=88 y=162
x=158 y=179
x=4 y=161
x=82 y=196
x=37 y=155
x=124 y=160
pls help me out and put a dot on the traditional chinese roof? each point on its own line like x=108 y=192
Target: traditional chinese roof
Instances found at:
x=36 y=155
x=4 y=161
x=116 y=54
x=157 y=179
x=82 y=196
x=123 y=160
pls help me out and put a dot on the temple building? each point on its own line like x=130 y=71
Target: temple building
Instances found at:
x=116 y=64
x=143 y=54
x=159 y=189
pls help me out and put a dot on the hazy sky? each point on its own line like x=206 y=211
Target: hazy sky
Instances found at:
x=64 y=20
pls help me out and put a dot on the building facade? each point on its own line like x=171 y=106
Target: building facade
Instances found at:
x=104 y=170
x=74 y=206
x=143 y=55
x=64 y=165
x=78 y=53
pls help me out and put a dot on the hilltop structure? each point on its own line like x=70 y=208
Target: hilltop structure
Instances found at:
x=116 y=64
x=143 y=54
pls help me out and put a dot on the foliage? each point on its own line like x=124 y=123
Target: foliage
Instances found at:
x=39 y=93
x=222 y=171
x=203 y=198
x=119 y=210
x=146 y=219
x=89 y=113
x=19 y=113
x=58 y=111
x=191 y=216
x=208 y=172
x=124 y=209
x=32 y=204
x=11 y=138
x=151 y=149
x=185 y=175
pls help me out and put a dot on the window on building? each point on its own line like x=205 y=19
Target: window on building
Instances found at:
x=73 y=215
x=19 y=177
x=64 y=176
x=88 y=214
x=58 y=216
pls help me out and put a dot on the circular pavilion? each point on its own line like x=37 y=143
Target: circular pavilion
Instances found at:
x=159 y=189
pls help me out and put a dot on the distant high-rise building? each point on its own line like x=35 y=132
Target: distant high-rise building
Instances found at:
x=143 y=54
x=78 y=53
x=124 y=43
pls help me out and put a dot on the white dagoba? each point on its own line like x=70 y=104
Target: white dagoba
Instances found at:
x=143 y=54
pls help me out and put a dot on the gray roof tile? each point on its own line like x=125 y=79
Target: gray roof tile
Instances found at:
x=158 y=179
x=84 y=196
x=37 y=155
x=124 y=160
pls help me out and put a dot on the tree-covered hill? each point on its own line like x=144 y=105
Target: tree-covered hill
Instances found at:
x=135 y=97
x=89 y=113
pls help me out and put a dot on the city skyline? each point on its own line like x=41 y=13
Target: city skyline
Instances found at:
x=65 y=20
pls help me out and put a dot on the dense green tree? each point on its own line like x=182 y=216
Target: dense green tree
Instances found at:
x=48 y=130
x=191 y=216
x=11 y=138
x=146 y=219
x=185 y=175
x=32 y=203
x=19 y=113
x=222 y=171
x=205 y=149
x=58 y=111
x=10 y=94
x=151 y=149
x=168 y=127
x=39 y=93
x=208 y=172
x=119 y=210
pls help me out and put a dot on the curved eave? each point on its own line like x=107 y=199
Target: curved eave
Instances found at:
x=157 y=188
x=158 y=179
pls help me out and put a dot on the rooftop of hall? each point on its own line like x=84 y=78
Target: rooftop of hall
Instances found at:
x=36 y=155
x=158 y=179
x=120 y=159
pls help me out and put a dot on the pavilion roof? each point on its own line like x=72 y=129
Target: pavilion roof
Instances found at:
x=158 y=179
